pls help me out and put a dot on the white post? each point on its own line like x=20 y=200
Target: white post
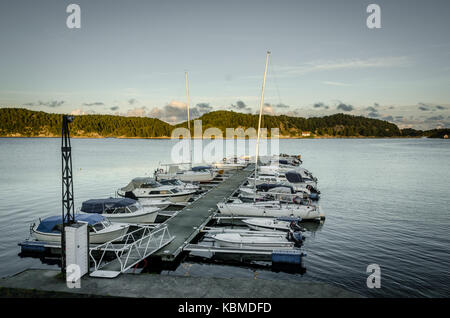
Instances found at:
x=259 y=122
x=188 y=120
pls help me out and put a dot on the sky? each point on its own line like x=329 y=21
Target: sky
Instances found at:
x=130 y=58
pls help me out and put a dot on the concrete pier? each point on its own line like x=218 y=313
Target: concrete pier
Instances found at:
x=49 y=283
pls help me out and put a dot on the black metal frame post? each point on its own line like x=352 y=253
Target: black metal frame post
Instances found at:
x=68 y=212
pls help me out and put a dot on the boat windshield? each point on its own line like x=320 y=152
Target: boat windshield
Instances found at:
x=98 y=227
x=133 y=208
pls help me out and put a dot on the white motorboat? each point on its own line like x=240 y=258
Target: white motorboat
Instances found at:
x=255 y=241
x=276 y=224
x=122 y=210
x=269 y=192
x=147 y=188
x=181 y=184
x=194 y=174
x=236 y=207
x=295 y=179
x=233 y=163
x=158 y=203
x=101 y=230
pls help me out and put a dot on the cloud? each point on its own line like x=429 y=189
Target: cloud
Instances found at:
x=268 y=109
x=372 y=109
x=94 y=104
x=345 y=107
x=137 y=112
x=376 y=104
x=331 y=65
x=335 y=83
x=132 y=101
x=53 y=103
x=388 y=118
x=373 y=115
x=240 y=106
x=114 y=108
x=79 y=111
x=281 y=105
x=321 y=105
x=176 y=111
x=204 y=108
x=440 y=107
x=434 y=118
x=424 y=107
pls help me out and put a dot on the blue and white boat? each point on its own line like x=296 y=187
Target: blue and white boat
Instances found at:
x=122 y=210
x=101 y=230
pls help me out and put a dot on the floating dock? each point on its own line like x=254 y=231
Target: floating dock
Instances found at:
x=188 y=222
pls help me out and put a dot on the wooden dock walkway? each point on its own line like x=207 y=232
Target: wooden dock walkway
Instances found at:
x=191 y=219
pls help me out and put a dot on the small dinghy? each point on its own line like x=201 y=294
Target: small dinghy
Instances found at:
x=101 y=230
x=122 y=210
x=258 y=241
x=279 y=224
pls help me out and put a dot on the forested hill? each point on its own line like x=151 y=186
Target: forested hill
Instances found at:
x=26 y=123
x=334 y=125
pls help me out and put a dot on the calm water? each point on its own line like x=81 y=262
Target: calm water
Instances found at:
x=386 y=201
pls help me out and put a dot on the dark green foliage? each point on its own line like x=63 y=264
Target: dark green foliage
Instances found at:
x=23 y=122
x=438 y=133
x=334 y=125
x=410 y=132
x=32 y=123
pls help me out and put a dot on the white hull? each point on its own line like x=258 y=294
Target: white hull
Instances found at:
x=175 y=198
x=252 y=241
x=188 y=177
x=148 y=217
x=280 y=180
x=94 y=238
x=264 y=224
x=158 y=203
x=262 y=209
x=229 y=166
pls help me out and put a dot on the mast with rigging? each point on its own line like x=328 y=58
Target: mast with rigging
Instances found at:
x=259 y=122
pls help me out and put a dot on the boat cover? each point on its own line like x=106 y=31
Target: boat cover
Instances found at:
x=50 y=224
x=201 y=168
x=268 y=186
x=100 y=205
x=138 y=182
x=294 y=177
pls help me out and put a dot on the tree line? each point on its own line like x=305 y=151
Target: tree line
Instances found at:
x=28 y=123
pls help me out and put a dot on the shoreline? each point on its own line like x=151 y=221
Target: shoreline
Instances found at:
x=169 y=138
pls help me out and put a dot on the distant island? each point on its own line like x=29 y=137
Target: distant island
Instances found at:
x=20 y=122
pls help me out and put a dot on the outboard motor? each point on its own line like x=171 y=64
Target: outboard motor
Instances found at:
x=296 y=237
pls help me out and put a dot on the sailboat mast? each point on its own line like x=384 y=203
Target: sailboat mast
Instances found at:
x=259 y=122
x=188 y=119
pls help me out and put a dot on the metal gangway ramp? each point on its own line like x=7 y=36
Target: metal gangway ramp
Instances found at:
x=189 y=221
x=137 y=245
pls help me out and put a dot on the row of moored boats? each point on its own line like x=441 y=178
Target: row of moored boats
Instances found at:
x=277 y=198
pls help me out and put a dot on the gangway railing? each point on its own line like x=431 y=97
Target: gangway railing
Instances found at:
x=137 y=245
